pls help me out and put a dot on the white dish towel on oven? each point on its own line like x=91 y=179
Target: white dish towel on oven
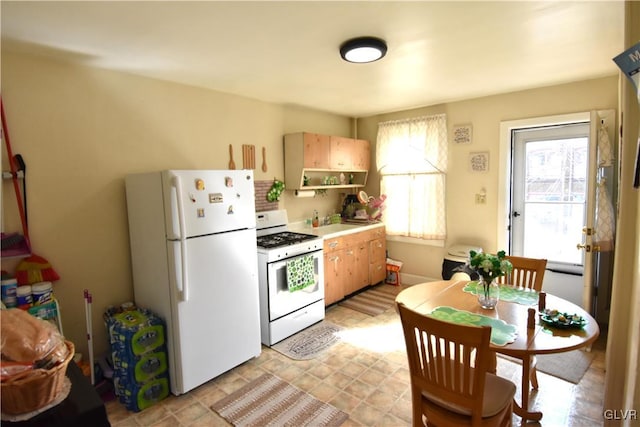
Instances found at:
x=300 y=273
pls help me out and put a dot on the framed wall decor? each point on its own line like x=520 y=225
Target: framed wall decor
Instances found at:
x=462 y=134
x=479 y=161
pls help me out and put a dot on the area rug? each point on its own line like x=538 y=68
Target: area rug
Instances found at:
x=569 y=366
x=270 y=401
x=373 y=301
x=310 y=342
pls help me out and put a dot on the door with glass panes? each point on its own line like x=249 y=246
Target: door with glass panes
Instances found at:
x=552 y=208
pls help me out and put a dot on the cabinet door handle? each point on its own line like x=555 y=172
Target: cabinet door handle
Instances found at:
x=332 y=245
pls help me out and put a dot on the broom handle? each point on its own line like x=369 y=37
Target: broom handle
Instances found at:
x=93 y=374
x=14 y=174
x=87 y=311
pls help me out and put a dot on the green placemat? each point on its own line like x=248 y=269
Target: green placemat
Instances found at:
x=501 y=332
x=509 y=293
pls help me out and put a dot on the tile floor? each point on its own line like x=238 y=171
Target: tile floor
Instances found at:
x=366 y=376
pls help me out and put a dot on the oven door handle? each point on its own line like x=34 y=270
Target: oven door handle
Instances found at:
x=279 y=264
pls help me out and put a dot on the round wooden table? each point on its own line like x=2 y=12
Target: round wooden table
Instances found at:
x=541 y=339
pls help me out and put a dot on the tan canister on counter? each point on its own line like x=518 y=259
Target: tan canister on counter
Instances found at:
x=42 y=293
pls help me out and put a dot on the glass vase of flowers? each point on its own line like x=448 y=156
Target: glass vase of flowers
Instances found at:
x=489 y=267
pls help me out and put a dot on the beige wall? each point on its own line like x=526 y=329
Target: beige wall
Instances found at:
x=81 y=130
x=468 y=222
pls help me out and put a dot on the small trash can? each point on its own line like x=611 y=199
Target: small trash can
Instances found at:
x=456 y=258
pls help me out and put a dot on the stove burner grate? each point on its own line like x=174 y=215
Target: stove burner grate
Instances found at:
x=285 y=238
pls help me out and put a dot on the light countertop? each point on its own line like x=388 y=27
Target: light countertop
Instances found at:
x=332 y=230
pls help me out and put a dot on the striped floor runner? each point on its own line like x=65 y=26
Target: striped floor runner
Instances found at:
x=373 y=301
x=270 y=401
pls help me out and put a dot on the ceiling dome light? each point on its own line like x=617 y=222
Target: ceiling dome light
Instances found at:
x=363 y=49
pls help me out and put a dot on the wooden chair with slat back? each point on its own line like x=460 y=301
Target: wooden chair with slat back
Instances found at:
x=448 y=364
x=527 y=273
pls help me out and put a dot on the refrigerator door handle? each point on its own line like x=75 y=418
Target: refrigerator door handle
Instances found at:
x=182 y=287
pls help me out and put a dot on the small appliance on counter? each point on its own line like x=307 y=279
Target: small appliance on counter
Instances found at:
x=350 y=205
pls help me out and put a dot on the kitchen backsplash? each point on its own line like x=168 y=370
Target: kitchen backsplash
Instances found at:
x=262 y=204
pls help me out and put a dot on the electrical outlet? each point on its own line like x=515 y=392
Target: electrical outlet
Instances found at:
x=481 y=198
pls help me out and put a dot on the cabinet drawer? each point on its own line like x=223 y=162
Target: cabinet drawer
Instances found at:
x=376 y=233
x=378 y=251
x=342 y=242
x=334 y=244
x=377 y=272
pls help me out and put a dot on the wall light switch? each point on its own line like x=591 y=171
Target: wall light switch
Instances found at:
x=481 y=198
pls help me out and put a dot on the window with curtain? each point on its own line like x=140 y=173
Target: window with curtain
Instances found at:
x=411 y=157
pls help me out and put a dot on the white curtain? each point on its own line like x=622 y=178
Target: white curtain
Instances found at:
x=605 y=219
x=605 y=216
x=411 y=158
x=605 y=149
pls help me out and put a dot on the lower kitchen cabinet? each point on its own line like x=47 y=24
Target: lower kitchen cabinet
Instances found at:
x=334 y=276
x=335 y=271
x=377 y=260
x=357 y=266
x=352 y=262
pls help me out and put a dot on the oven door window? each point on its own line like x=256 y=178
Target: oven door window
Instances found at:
x=283 y=301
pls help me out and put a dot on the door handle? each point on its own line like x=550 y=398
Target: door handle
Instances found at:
x=585 y=247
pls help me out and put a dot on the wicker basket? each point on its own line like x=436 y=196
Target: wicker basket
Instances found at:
x=36 y=389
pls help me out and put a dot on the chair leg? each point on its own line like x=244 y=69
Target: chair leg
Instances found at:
x=493 y=363
x=533 y=376
x=418 y=414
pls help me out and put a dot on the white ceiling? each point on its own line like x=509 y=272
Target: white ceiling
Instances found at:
x=287 y=52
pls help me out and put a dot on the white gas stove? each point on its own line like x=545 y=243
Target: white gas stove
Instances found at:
x=290 y=277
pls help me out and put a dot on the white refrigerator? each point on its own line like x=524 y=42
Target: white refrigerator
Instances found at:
x=194 y=260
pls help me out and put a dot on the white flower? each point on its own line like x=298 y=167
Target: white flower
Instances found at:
x=486 y=265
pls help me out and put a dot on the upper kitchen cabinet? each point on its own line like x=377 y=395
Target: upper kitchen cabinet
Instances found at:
x=316 y=150
x=314 y=161
x=349 y=153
